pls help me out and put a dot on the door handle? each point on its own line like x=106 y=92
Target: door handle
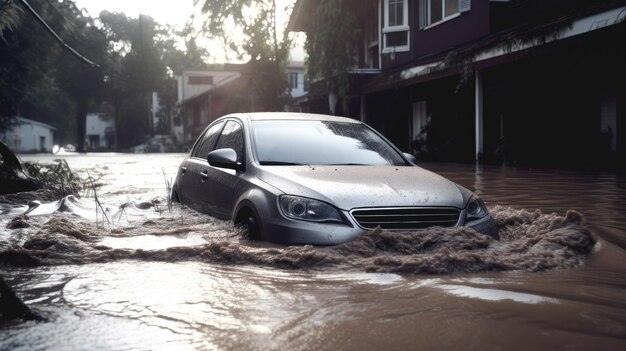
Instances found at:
x=183 y=170
x=204 y=176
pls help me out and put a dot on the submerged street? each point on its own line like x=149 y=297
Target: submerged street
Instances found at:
x=129 y=273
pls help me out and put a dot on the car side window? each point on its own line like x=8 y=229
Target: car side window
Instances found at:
x=232 y=137
x=208 y=141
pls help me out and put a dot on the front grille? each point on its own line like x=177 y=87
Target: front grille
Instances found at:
x=406 y=218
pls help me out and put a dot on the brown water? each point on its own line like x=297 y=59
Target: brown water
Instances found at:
x=143 y=277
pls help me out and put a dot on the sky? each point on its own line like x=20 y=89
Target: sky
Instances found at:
x=163 y=11
x=177 y=13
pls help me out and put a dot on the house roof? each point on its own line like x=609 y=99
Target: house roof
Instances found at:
x=298 y=21
x=22 y=120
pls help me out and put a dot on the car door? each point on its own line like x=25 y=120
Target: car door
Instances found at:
x=220 y=188
x=194 y=170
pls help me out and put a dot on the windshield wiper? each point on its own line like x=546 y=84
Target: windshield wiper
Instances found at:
x=281 y=163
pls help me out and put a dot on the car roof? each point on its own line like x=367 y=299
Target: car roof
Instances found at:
x=268 y=116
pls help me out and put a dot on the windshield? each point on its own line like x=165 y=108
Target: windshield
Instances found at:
x=296 y=142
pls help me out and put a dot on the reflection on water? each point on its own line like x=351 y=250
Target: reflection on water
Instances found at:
x=151 y=242
x=495 y=295
x=147 y=278
x=600 y=196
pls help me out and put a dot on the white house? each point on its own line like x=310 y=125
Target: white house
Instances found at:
x=197 y=106
x=100 y=131
x=295 y=75
x=27 y=135
x=196 y=81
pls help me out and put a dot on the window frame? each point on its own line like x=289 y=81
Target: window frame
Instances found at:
x=204 y=136
x=444 y=18
x=394 y=29
x=293 y=80
x=241 y=157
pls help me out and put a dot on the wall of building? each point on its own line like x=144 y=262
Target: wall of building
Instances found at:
x=188 y=89
x=297 y=87
x=435 y=38
x=553 y=110
x=29 y=136
x=466 y=27
x=99 y=131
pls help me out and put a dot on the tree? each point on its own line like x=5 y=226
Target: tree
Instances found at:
x=82 y=82
x=135 y=70
x=175 y=60
x=268 y=55
x=9 y=16
x=330 y=45
x=143 y=58
x=40 y=80
x=18 y=54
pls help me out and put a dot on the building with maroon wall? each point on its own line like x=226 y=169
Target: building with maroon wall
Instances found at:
x=526 y=82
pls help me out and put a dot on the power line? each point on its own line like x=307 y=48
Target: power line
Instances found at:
x=56 y=36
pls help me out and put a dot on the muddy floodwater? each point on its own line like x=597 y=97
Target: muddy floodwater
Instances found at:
x=132 y=274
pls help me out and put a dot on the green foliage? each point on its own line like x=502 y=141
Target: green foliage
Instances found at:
x=142 y=58
x=331 y=45
x=42 y=81
x=9 y=16
x=48 y=100
x=24 y=59
x=266 y=88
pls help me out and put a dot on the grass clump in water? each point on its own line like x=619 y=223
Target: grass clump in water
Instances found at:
x=56 y=173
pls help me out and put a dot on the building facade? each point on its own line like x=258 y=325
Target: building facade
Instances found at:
x=100 y=131
x=200 y=99
x=26 y=135
x=295 y=76
x=525 y=82
x=207 y=94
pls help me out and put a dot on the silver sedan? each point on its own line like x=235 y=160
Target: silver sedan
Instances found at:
x=294 y=178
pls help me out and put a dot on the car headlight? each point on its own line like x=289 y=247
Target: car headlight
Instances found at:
x=301 y=208
x=475 y=209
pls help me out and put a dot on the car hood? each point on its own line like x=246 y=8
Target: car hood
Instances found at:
x=349 y=187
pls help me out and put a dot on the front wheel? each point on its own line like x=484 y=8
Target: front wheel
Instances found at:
x=250 y=224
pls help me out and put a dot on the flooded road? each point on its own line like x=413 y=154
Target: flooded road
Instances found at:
x=132 y=274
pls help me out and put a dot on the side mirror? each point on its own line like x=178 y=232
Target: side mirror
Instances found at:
x=224 y=158
x=410 y=157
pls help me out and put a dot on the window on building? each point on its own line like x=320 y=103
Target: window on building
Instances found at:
x=435 y=11
x=396 y=26
x=371 y=58
x=293 y=80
